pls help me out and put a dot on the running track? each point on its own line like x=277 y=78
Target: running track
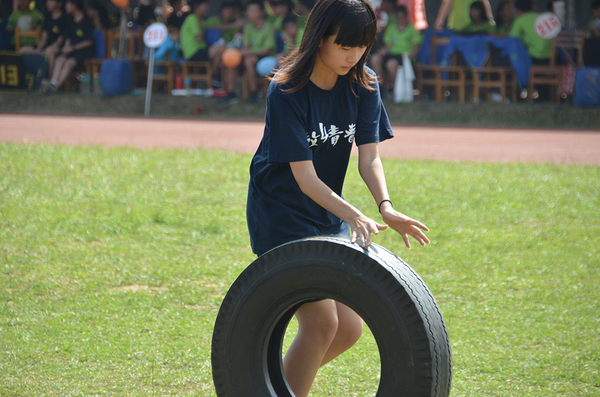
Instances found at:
x=455 y=144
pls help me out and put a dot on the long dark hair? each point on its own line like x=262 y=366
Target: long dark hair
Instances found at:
x=354 y=24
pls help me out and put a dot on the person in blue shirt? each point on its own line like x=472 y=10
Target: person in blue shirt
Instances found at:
x=322 y=101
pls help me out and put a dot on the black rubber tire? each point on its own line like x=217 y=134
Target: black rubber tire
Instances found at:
x=403 y=316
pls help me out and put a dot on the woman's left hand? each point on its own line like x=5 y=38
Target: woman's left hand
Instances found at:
x=405 y=226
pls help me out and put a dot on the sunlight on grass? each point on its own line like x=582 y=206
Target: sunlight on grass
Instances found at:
x=114 y=262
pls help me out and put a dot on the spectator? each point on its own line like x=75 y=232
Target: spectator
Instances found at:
x=79 y=45
x=98 y=15
x=24 y=18
x=594 y=25
x=52 y=40
x=229 y=22
x=387 y=17
x=303 y=9
x=281 y=9
x=479 y=23
x=389 y=7
x=398 y=39
x=178 y=15
x=193 y=32
x=505 y=16
x=538 y=48
x=145 y=13
x=291 y=36
x=458 y=14
x=259 y=42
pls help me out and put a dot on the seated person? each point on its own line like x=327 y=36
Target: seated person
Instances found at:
x=281 y=10
x=25 y=19
x=594 y=24
x=291 y=36
x=177 y=16
x=193 y=31
x=52 y=39
x=79 y=45
x=505 y=16
x=302 y=10
x=457 y=12
x=258 y=42
x=229 y=22
x=145 y=13
x=98 y=15
x=523 y=27
x=479 y=22
x=398 y=39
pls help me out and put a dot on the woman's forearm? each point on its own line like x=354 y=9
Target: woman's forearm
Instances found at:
x=310 y=184
x=371 y=171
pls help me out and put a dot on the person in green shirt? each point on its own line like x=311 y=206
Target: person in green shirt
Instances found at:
x=193 y=31
x=398 y=39
x=291 y=36
x=281 y=9
x=505 y=16
x=229 y=22
x=259 y=42
x=302 y=10
x=457 y=12
x=479 y=23
x=523 y=27
x=24 y=18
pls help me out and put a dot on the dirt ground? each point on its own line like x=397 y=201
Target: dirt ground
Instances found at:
x=455 y=144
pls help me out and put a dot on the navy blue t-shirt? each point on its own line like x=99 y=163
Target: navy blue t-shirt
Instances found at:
x=309 y=124
x=79 y=31
x=55 y=27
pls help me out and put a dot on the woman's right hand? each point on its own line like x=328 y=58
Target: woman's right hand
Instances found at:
x=362 y=227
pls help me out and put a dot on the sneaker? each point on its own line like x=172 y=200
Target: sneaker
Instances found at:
x=48 y=86
x=230 y=99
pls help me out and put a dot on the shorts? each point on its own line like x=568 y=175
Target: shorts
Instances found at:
x=81 y=55
x=398 y=58
x=199 y=56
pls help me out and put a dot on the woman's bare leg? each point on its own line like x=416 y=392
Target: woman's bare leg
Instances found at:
x=326 y=329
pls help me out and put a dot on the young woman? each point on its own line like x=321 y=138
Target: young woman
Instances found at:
x=321 y=101
x=79 y=45
x=52 y=40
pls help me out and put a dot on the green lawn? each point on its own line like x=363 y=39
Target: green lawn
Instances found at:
x=113 y=264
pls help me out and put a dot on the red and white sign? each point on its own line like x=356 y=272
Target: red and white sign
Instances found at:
x=155 y=35
x=547 y=25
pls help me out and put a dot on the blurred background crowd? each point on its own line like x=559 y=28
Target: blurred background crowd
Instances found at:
x=235 y=44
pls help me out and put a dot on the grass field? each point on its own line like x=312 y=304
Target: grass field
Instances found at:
x=545 y=115
x=113 y=264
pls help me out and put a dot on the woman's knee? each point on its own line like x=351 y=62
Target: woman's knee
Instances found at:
x=392 y=65
x=319 y=320
x=350 y=326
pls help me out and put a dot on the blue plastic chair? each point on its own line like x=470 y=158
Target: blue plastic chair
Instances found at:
x=100 y=47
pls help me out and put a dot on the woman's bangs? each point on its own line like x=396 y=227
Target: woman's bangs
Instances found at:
x=357 y=29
